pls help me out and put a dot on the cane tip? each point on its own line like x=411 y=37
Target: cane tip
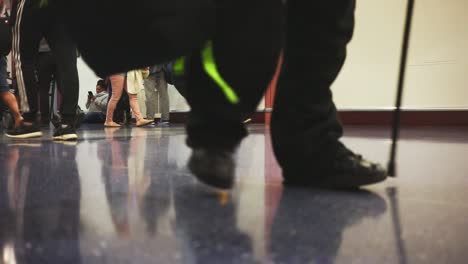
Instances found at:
x=391 y=169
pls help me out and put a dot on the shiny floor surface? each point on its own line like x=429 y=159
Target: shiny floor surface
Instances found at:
x=125 y=196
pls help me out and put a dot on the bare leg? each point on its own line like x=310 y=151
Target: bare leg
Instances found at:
x=140 y=121
x=117 y=82
x=135 y=107
x=10 y=101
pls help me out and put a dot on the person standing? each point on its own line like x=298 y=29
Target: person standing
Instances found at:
x=19 y=129
x=157 y=96
x=305 y=127
x=34 y=20
x=46 y=69
x=131 y=82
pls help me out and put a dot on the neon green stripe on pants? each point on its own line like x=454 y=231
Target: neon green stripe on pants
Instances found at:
x=211 y=69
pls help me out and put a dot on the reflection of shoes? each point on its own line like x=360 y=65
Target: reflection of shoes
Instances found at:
x=24 y=131
x=338 y=168
x=213 y=167
x=111 y=124
x=143 y=122
x=65 y=132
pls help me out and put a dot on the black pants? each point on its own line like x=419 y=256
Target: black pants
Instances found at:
x=246 y=46
x=33 y=22
x=305 y=124
x=46 y=73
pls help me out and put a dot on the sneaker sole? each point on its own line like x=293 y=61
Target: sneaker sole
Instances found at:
x=327 y=183
x=24 y=136
x=66 y=137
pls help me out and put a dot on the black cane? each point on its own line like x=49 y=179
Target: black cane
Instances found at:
x=401 y=81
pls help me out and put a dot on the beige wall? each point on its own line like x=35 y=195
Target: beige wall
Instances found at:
x=438 y=62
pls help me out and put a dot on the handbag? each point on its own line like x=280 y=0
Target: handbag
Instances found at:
x=5 y=35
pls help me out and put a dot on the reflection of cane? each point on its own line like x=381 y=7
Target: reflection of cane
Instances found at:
x=401 y=80
x=392 y=194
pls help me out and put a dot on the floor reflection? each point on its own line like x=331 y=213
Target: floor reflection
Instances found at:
x=125 y=196
x=43 y=201
x=309 y=226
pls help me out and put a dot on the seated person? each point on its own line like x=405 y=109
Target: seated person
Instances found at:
x=97 y=104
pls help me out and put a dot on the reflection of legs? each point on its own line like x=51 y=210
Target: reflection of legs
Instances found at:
x=117 y=82
x=151 y=96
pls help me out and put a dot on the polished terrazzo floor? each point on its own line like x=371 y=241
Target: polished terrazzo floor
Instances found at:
x=125 y=196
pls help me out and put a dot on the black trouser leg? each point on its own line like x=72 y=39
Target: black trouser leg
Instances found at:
x=65 y=50
x=305 y=121
x=45 y=71
x=246 y=52
x=27 y=33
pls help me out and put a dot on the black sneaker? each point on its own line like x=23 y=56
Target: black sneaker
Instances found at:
x=338 y=168
x=65 y=132
x=24 y=131
x=213 y=167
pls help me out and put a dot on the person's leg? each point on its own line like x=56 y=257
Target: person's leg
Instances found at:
x=65 y=52
x=45 y=72
x=10 y=101
x=27 y=32
x=140 y=121
x=161 y=86
x=135 y=107
x=8 y=98
x=150 y=93
x=218 y=92
x=117 y=82
x=28 y=22
x=305 y=126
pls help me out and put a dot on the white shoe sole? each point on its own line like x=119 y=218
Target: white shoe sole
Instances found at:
x=66 y=137
x=24 y=136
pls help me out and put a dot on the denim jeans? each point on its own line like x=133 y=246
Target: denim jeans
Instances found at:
x=4 y=87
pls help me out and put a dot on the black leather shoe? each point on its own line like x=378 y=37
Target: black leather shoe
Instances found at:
x=213 y=167
x=337 y=168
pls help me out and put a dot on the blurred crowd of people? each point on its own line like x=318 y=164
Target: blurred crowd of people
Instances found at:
x=44 y=86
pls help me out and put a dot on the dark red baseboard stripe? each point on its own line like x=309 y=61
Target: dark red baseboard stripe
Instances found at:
x=408 y=117
x=377 y=117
